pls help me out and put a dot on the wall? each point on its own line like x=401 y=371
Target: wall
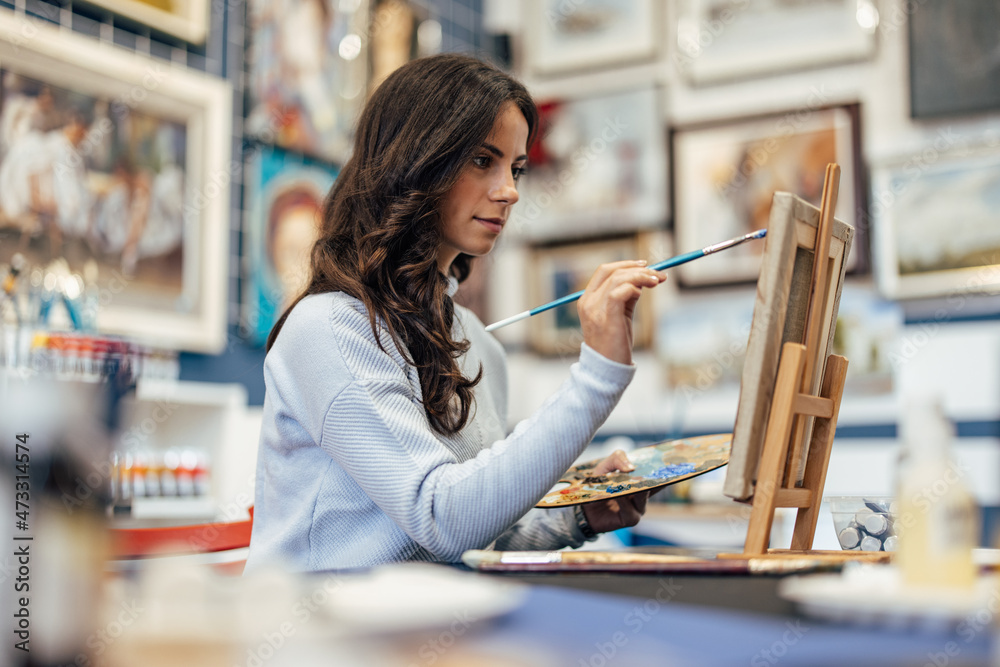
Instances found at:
x=461 y=28
x=948 y=346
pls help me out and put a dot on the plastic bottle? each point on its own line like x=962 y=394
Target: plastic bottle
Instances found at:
x=938 y=519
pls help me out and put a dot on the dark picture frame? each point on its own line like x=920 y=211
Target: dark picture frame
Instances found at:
x=954 y=67
x=726 y=173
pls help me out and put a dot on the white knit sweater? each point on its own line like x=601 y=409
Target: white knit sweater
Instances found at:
x=350 y=473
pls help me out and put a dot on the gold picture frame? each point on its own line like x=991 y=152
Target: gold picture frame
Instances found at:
x=185 y=19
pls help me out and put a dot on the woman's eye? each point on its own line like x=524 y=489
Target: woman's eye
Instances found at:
x=481 y=161
x=518 y=172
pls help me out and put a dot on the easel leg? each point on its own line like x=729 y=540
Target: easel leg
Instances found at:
x=819 y=454
x=772 y=462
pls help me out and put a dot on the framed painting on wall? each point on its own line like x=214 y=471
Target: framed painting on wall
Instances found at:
x=954 y=68
x=307 y=74
x=555 y=271
x=186 y=19
x=584 y=34
x=726 y=174
x=720 y=40
x=284 y=196
x=120 y=163
x=599 y=167
x=701 y=341
x=936 y=225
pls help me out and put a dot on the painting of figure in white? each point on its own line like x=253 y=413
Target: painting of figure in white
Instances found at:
x=84 y=179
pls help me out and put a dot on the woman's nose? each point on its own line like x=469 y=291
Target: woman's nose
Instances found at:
x=506 y=190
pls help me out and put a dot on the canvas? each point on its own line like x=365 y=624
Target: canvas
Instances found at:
x=779 y=316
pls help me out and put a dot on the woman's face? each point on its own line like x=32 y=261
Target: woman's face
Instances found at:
x=475 y=210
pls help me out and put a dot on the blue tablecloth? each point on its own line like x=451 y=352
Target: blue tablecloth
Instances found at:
x=559 y=626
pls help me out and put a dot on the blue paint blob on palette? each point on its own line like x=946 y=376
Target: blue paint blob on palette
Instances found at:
x=655 y=466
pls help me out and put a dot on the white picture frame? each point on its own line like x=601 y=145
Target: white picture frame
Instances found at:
x=719 y=40
x=598 y=167
x=116 y=82
x=936 y=230
x=584 y=34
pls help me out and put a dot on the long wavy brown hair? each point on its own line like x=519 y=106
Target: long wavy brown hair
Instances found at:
x=381 y=231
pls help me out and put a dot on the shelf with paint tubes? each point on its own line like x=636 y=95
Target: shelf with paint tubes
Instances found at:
x=81 y=356
x=48 y=326
x=143 y=478
x=179 y=450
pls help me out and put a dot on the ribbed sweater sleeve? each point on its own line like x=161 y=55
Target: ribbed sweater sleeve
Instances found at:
x=543 y=530
x=379 y=434
x=351 y=474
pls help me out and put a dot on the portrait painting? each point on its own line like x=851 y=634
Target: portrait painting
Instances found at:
x=285 y=193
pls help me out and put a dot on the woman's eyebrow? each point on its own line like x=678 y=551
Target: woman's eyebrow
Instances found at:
x=499 y=153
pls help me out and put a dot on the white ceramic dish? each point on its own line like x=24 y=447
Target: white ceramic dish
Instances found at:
x=874 y=595
x=412 y=596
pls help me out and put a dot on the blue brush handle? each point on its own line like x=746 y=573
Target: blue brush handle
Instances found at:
x=660 y=266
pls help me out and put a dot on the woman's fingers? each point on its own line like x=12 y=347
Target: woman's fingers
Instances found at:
x=639 y=501
x=610 y=276
x=615 y=513
x=617 y=460
x=608 y=303
x=632 y=508
x=605 y=270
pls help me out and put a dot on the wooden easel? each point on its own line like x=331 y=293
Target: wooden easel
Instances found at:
x=792 y=404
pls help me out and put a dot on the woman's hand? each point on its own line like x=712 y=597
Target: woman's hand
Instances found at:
x=608 y=303
x=614 y=513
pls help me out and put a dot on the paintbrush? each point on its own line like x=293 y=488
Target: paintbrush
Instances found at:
x=660 y=266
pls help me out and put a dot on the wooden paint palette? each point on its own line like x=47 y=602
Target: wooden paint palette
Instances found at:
x=655 y=466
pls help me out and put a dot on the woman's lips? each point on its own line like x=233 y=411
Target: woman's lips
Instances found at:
x=493 y=224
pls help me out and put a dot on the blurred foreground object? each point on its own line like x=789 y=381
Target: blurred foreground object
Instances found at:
x=56 y=435
x=938 y=518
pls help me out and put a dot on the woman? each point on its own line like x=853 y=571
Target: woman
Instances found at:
x=383 y=432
